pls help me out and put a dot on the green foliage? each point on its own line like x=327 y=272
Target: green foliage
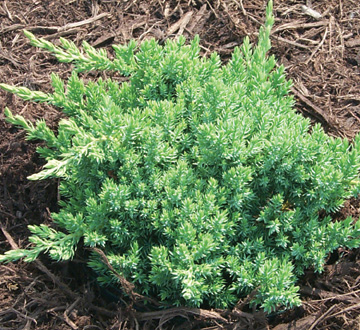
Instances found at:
x=198 y=180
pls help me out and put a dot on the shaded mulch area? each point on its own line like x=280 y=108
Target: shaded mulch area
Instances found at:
x=321 y=52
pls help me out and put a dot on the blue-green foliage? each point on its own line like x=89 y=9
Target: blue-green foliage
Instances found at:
x=198 y=180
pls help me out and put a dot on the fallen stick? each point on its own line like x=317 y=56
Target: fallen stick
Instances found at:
x=348 y=309
x=319 y=113
x=300 y=25
x=180 y=24
x=290 y=42
x=42 y=267
x=317 y=47
x=179 y=311
x=66 y=27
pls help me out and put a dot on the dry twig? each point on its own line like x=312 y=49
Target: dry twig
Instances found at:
x=348 y=309
x=317 y=47
x=69 y=310
x=299 y=25
x=290 y=42
x=322 y=317
x=42 y=267
x=180 y=24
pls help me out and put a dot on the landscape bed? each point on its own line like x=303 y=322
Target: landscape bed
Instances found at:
x=285 y=206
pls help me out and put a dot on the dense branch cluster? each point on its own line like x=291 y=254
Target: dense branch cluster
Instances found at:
x=198 y=180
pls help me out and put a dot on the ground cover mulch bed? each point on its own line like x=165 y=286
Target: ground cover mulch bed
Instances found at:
x=319 y=44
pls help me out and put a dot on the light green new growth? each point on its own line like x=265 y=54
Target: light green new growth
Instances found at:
x=198 y=180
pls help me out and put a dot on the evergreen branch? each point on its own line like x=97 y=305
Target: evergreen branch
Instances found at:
x=27 y=94
x=95 y=60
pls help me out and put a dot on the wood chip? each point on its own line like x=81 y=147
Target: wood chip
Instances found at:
x=104 y=40
x=302 y=324
x=353 y=42
x=180 y=24
x=318 y=112
x=7 y=11
x=199 y=15
x=310 y=12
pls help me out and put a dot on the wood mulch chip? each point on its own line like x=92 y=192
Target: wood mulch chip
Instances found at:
x=317 y=41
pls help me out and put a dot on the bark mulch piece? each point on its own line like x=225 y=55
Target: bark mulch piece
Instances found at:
x=318 y=44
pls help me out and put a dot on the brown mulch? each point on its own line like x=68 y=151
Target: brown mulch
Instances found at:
x=321 y=52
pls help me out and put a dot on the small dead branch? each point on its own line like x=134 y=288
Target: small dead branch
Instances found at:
x=318 y=112
x=8 y=214
x=299 y=25
x=67 y=27
x=322 y=317
x=151 y=29
x=26 y=317
x=84 y=22
x=326 y=295
x=56 y=280
x=290 y=42
x=168 y=314
x=349 y=97
x=212 y=9
x=240 y=4
x=69 y=310
x=7 y=11
x=345 y=310
x=13 y=27
x=8 y=237
x=180 y=25
x=317 y=47
x=70 y=323
x=8 y=57
x=42 y=267
x=341 y=36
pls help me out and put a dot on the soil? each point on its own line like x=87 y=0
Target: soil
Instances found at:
x=321 y=52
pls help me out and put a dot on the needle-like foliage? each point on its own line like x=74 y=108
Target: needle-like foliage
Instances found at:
x=198 y=180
